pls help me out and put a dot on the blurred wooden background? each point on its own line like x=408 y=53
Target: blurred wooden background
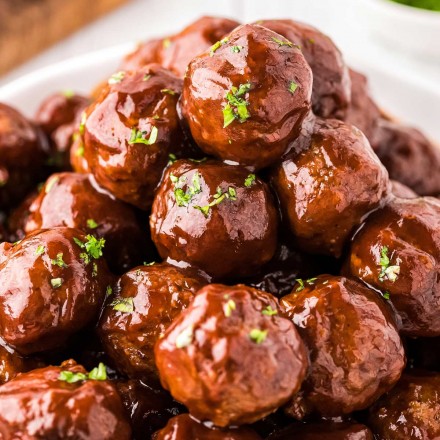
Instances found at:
x=29 y=26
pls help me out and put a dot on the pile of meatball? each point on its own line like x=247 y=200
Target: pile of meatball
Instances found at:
x=228 y=240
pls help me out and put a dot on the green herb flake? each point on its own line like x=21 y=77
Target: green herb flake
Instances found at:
x=387 y=271
x=94 y=270
x=70 y=377
x=68 y=93
x=311 y=281
x=269 y=311
x=236 y=49
x=249 y=180
x=56 y=282
x=152 y=263
x=300 y=284
x=91 y=224
x=59 y=261
x=40 y=250
x=229 y=307
x=282 y=42
x=117 y=77
x=258 y=336
x=168 y=91
x=138 y=137
x=108 y=291
x=236 y=106
x=124 y=305
x=94 y=246
x=98 y=373
x=80 y=151
x=292 y=87
x=183 y=198
x=386 y=295
x=185 y=337
x=51 y=183
x=219 y=196
x=171 y=158
x=217 y=45
x=82 y=124
x=146 y=77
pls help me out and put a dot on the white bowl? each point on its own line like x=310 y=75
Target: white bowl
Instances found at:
x=414 y=102
x=411 y=30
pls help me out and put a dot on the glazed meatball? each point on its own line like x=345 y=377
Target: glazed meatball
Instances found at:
x=331 y=93
x=72 y=200
x=149 y=409
x=231 y=357
x=146 y=301
x=175 y=53
x=130 y=131
x=77 y=160
x=402 y=191
x=362 y=112
x=326 y=190
x=355 y=350
x=12 y=363
x=327 y=430
x=397 y=251
x=62 y=403
x=218 y=217
x=184 y=427
x=59 y=115
x=53 y=284
x=408 y=156
x=23 y=152
x=245 y=100
x=18 y=217
x=411 y=410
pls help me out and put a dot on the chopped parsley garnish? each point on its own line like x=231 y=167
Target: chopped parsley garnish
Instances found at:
x=168 y=91
x=56 y=282
x=108 y=291
x=171 y=158
x=92 y=246
x=229 y=307
x=386 y=295
x=68 y=93
x=40 y=250
x=182 y=197
x=219 y=196
x=94 y=270
x=98 y=373
x=387 y=272
x=59 y=261
x=269 y=311
x=302 y=283
x=91 y=224
x=236 y=107
x=185 y=337
x=50 y=184
x=124 y=305
x=258 y=336
x=138 y=137
x=249 y=180
x=80 y=151
x=282 y=42
x=82 y=124
x=152 y=263
x=236 y=49
x=292 y=87
x=116 y=77
x=217 y=45
x=146 y=77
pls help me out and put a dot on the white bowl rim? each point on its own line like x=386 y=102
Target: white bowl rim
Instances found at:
x=406 y=11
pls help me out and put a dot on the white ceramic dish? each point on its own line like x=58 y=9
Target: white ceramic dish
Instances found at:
x=404 y=27
x=410 y=101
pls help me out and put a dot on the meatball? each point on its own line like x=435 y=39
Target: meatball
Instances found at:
x=218 y=217
x=62 y=403
x=77 y=160
x=397 y=251
x=245 y=100
x=146 y=301
x=23 y=153
x=184 y=427
x=12 y=363
x=331 y=92
x=327 y=430
x=53 y=284
x=362 y=112
x=411 y=410
x=149 y=409
x=408 y=156
x=175 y=53
x=355 y=350
x=18 y=217
x=231 y=357
x=402 y=191
x=72 y=200
x=130 y=131
x=59 y=116
x=327 y=189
